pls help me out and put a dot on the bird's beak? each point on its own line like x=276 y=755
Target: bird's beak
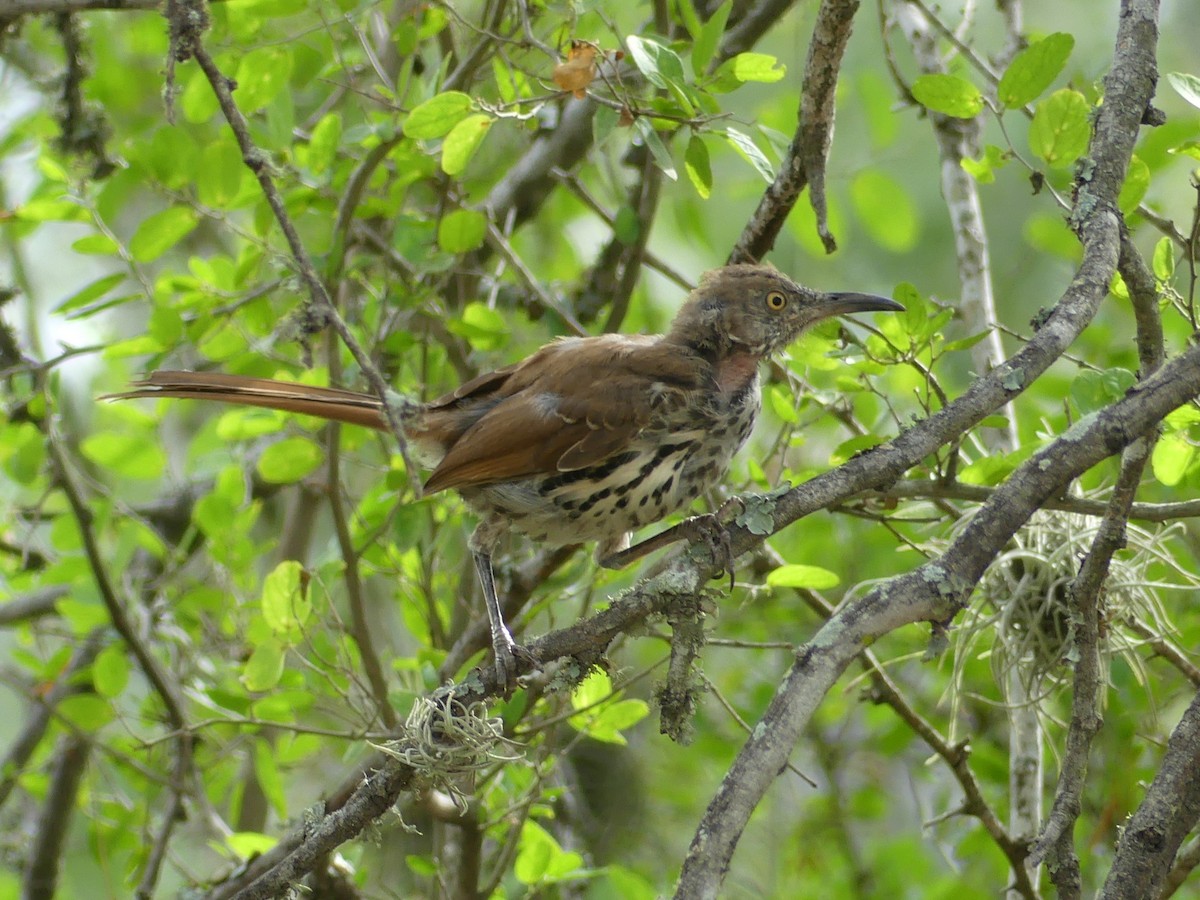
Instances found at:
x=838 y=304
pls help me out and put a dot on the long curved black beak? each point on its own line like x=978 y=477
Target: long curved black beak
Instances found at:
x=838 y=304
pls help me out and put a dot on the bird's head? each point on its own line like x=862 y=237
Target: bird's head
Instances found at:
x=757 y=310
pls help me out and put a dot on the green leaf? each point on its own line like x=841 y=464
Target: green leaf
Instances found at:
x=165 y=325
x=1187 y=148
x=264 y=668
x=661 y=65
x=283 y=706
x=160 y=232
x=323 y=143
x=984 y=169
x=1049 y=233
x=948 y=94
x=697 y=166
x=595 y=688
x=783 y=404
x=878 y=97
x=541 y=860
x=51 y=209
x=1034 y=68
x=197 y=101
x=261 y=75
x=744 y=67
x=1173 y=455
x=110 y=671
x=481 y=325
x=709 y=38
x=89 y=292
x=964 y=343
x=22 y=451
x=462 y=230
x=462 y=142
x=885 y=210
x=1186 y=86
x=266 y=769
x=619 y=881
x=503 y=75
x=1060 y=129
x=80 y=615
x=662 y=156
x=626 y=227
x=1182 y=417
x=285 y=603
x=1137 y=181
x=289 y=460
x=847 y=450
x=990 y=470
x=96 y=245
x=750 y=152
x=1163 y=261
x=219 y=173
x=613 y=718
x=1092 y=391
x=602 y=716
x=130 y=455
x=249 y=843
x=691 y=21
x=437 y=115
x=604 y=123
x=761 y=67
x=917 y=309
x=86 y=712
x=800 y=576
x=421 y=865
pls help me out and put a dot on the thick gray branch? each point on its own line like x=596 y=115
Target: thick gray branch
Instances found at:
x=1170 y=810
x=936 y=591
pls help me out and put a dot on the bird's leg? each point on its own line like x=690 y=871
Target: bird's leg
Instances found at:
x=503 y=646
x=709 y=528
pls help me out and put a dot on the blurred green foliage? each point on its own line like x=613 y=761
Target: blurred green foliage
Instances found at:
x=390 y=136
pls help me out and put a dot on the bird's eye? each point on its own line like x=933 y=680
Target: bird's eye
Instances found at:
x=776 y=301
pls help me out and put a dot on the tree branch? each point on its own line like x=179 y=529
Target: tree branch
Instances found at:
x=1055 y=843
x=1169 y=811
x=46 y=851
x=809 y=150
x=933 y=592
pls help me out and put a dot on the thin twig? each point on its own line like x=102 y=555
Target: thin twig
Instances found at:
x=322 y=311
x=164 y=687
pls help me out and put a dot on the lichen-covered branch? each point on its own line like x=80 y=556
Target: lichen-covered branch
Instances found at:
x=934 y=591
x=1169 y=812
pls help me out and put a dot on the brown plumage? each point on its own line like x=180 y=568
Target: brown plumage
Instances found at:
x=588 y=438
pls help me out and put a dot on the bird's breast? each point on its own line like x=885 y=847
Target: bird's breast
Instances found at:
x=735 y=373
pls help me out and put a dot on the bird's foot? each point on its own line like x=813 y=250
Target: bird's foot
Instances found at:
x=712 y=530
x=509 y=655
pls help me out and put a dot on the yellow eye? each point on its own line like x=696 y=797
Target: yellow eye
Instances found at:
x=776 y=301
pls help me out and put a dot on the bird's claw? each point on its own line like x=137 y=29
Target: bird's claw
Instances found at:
x=712 y=530
x=509 y=657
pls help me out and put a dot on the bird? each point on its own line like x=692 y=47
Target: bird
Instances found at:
x=589 y=438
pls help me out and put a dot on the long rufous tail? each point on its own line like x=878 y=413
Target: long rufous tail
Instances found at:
x=334 y=404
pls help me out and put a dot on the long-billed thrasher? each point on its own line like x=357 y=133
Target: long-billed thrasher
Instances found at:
x=589 y=438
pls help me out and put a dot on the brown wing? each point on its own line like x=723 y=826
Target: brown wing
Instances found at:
x=480 y=385
x=572 y=404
